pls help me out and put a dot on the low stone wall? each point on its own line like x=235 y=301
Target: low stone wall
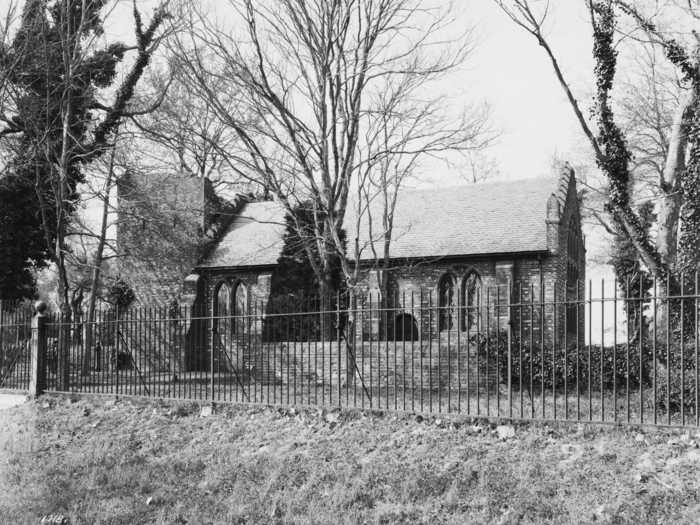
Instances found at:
x=403 y=365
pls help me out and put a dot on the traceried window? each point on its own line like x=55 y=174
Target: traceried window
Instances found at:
x=471 y=302
x=445 y=302
x=240 y=309
x=222 y=309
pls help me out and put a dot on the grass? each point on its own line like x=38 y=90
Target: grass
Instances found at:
x=97 y=460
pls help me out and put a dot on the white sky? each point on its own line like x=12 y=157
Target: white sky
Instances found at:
x=514 y=75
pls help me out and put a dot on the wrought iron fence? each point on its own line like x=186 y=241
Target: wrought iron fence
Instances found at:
x=512 y=353
x=15 y=345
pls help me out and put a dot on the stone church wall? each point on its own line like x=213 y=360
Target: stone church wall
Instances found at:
x=166 y=224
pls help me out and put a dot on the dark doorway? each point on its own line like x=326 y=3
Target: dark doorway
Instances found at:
x=405 y=328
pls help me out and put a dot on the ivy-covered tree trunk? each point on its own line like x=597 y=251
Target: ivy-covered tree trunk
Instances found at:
x=61 y=122
x=689 y=242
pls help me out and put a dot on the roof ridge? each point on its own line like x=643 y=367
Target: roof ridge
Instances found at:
x=548 y=178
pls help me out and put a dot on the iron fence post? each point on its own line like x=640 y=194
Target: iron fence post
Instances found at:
x=37 y=382
x=64 y=342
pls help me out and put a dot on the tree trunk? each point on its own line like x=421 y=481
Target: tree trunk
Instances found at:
x=97 y=270
x=671 y=200
x=326 y=314
x=64 y=339
x=667 y=234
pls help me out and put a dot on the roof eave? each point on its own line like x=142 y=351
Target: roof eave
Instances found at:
x=434 y=258
x=268 y=266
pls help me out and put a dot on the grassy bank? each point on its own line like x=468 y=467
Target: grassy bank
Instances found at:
x=99 y=461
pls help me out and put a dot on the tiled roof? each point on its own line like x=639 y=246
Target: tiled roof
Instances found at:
x=479 y=219
x=501 y=217
x=253 y=238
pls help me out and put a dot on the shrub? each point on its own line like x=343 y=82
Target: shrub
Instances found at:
x=121 y=295
x=555 y=367
x=676 y=384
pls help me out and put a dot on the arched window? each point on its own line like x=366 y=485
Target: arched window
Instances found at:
x=471 y=302
x=240 y=308
x=445 y=302
x=222 y=309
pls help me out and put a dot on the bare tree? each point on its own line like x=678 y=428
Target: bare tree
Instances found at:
x=326 y=96
x=183 y=134
x=658 y=142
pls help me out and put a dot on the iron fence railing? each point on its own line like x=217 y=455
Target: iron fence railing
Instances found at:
x=15 y=342
x=512 y=353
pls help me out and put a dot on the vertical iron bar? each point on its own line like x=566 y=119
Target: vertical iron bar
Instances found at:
x=358 y=373
x=370 y=319
x=340 y=373
x=627 y=343
x=360 y=307
x=132 y=336
x=115 y=364
x=293 y=344
x=430 y=350
x=312 y=317
x=460 y=326
x=467 y=356
x=312 y=368
x=390 y=308
x=543 y=313
x=532 y=350
x=682 y=343
x=450 y=313
x=488 y=352
x=653 y=346
x=520 y=345
x=641 y=343
x=498 y=350
x=393 y=321
x=211 y=370
x=697 y=361
x=555 y=337
x=147 y=350
x=413 y=349
x=439 y=349
x=509 y=344
x=668 y=348
x=478 y=353
x=420 y=336
x=602 y=348
x=256 y=371
x=403 y=347
x=567 y=309
x=590 y=344
x=348 y=349
x=288 y=328
x=614 y=379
